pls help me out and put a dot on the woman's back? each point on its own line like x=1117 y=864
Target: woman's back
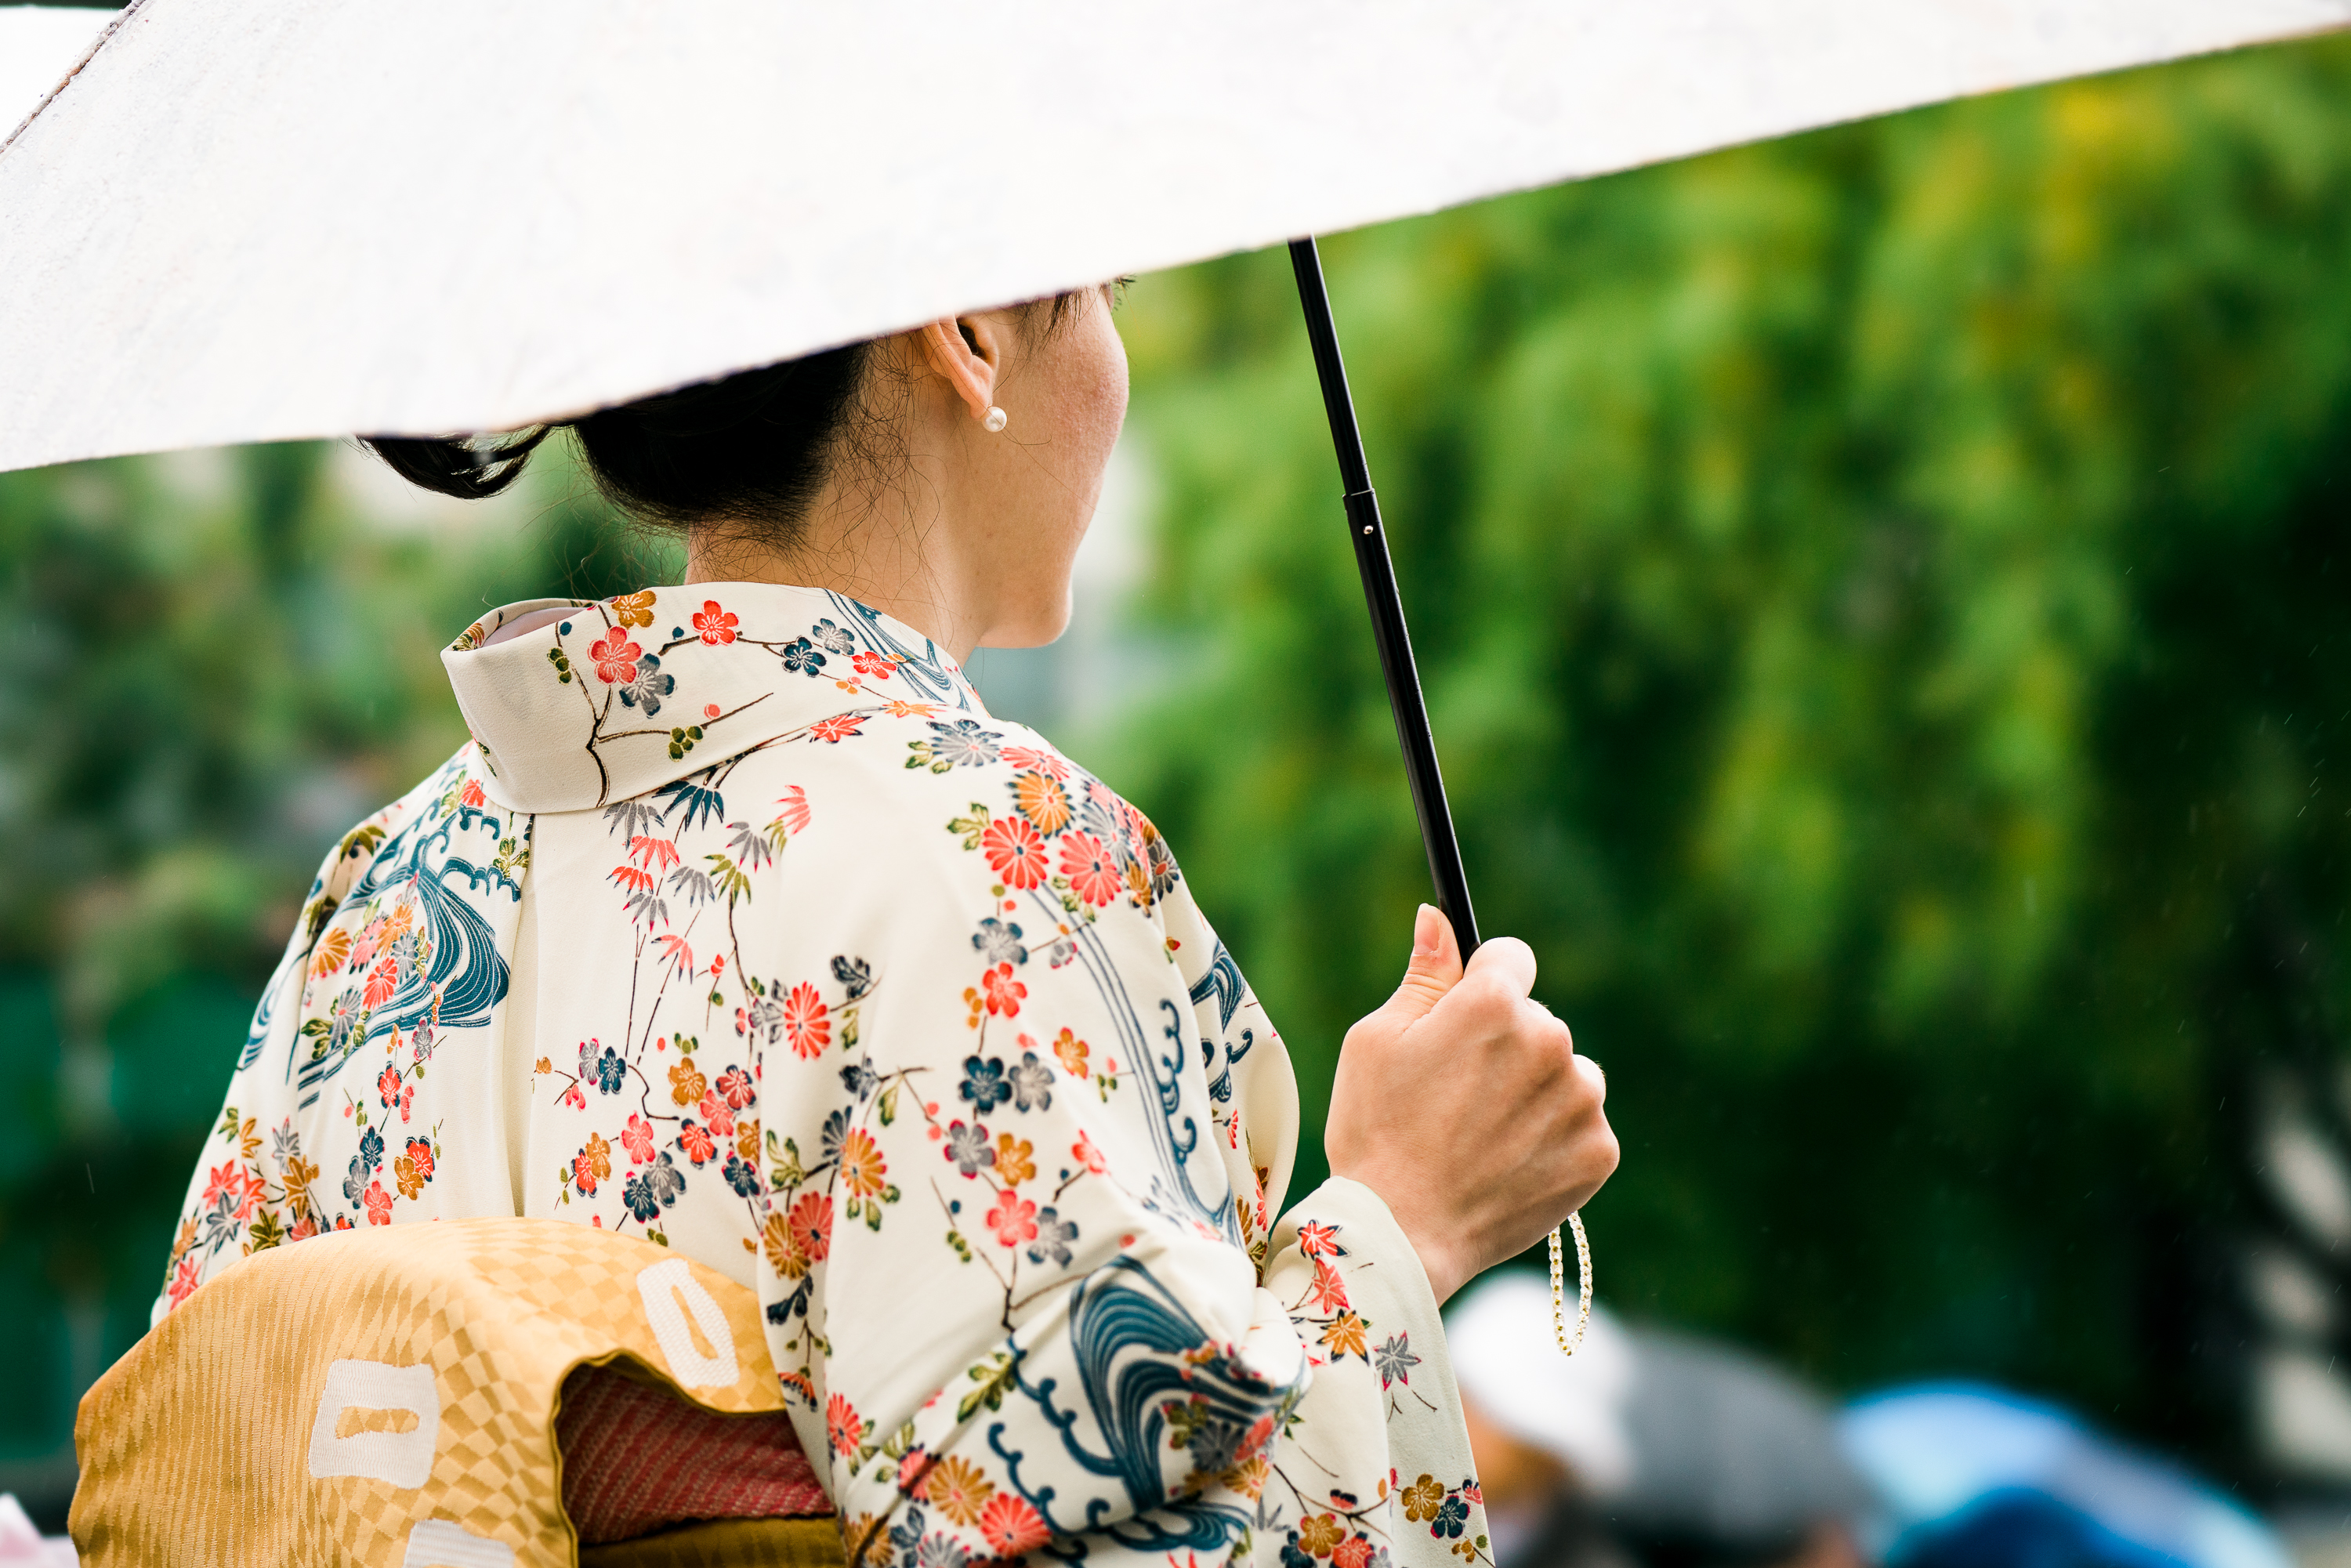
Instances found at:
x=742 y=926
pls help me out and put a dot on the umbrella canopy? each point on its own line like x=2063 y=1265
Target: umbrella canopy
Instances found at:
x=243 y=220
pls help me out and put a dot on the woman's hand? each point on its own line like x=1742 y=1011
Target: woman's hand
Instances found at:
x=1464 y=1105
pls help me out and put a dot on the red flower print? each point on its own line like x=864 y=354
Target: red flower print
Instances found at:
x=877 y=665
x=1003 y=992
x=420 y=1156
x=695 y=1139
x=382 y=981
x=616 y=659
x=1029 y=758
x=716 y=1116
x=471 y=795
x=1016 y=852
x=1086 y=1155
x=805 y=1022
x=379 y=1204
x=1094 y=874
x=1014 y=1220
x=915 y=1468
x=1328 y=1292
x=811 y=1226
x=735 y=1087
x=637 y=1137
x=1355 y=1552
x=716 y=625
x=1317 y=1239
x=183 y=1281
x=835 y=730
x=1011 y=1526
x=230 y=1182
x=843 y=1427
x=387 y=1086
x=574 y=1098
x=304 y=1229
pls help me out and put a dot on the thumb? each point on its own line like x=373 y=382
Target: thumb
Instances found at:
x=1434 y=969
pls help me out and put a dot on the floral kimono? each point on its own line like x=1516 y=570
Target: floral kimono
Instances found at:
x=1012 y=1202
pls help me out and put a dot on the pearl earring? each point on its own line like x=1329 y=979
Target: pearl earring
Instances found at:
x=996 y=420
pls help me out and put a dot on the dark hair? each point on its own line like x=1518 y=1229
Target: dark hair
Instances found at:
x=756 y=444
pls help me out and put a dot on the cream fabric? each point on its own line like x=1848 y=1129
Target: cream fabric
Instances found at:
x=743 y=928
x=249 y=220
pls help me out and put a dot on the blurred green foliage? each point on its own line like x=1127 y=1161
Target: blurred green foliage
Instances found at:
x=1878 y=594
x=217 y=662
x=1881 y=599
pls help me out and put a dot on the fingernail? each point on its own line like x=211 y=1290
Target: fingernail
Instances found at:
x=1426 y=933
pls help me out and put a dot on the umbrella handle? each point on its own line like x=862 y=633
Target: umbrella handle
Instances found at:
x=1372 y=560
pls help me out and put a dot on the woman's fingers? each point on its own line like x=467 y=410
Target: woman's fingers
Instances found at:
x=1594 y=1076
x=1435 y=967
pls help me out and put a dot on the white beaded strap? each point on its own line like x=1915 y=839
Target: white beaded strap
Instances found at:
x=1583 y=1287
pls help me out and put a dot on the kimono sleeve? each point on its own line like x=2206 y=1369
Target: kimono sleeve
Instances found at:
x=1011 y=1281
x=241 y=1196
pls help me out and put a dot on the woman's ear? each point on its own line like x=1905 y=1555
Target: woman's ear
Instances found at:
x=968 y=352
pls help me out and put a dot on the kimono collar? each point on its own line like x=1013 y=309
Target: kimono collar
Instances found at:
x=609 y=699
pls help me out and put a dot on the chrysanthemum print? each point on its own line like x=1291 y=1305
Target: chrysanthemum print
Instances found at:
x=742 y=926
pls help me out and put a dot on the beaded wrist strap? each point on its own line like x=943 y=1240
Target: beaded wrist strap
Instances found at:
x=1582 y=1286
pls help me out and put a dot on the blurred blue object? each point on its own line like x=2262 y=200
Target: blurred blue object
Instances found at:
x=1975 y=1476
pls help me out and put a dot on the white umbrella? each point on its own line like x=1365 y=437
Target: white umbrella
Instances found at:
x=250 y=219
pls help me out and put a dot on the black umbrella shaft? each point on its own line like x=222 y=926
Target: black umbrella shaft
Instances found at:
x=1371 y=540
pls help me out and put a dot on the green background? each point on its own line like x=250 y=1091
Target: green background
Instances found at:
x=1880 y=604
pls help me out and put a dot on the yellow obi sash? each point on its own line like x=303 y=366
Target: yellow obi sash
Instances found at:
x=389 y=1397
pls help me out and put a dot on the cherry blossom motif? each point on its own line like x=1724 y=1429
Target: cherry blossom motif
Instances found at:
x=616 y=658
x=695 y=1140
x=1094 y=873
x=877 y=665
x=1086 y=1155
x=379 y=1204
x=805 y=1022
x=1073 y=1051
x=716 y=626
x=1003 y=992
x=1014 y=1220
x=718 y=1115
x=634 y=608
x=734 y=1086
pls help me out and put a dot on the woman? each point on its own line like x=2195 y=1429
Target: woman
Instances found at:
x=1013 y=1199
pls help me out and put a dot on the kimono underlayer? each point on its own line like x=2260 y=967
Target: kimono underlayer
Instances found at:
x=1011 y=1204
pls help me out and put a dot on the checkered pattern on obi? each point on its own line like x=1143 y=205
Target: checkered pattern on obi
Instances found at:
x=637 y=1458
